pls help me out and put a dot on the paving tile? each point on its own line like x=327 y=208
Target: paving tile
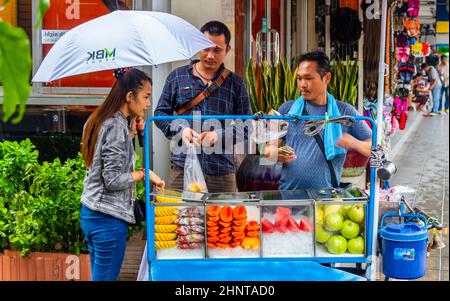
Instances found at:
x=430 y=275
x=436 y=263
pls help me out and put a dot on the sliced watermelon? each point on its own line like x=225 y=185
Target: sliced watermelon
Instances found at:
x=281 y=228
x=292 y=225
x=267 y=226
x=281 y=221
x=306 y=225
x=283 y=211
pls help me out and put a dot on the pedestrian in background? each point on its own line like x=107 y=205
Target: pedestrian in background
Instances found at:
x=443 y=71
x=108 y=192
x=435 y=86
x=421 y=92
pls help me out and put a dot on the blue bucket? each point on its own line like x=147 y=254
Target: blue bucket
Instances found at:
x=404 y=249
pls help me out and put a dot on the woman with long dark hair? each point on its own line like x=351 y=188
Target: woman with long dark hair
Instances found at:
x=108 y=194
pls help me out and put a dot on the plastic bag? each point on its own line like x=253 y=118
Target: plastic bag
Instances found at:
x=268 y=130
x=194 y=181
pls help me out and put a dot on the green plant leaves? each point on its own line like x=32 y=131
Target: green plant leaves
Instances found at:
x=40 y=203
x=270 y=86
x=344 y=80
x=43 y=7
x=15 y=65
x=15 y=69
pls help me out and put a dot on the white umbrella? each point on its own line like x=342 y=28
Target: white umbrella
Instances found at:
x=122 y=39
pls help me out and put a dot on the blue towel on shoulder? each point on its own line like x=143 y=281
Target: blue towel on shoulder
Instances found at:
x=333 y=131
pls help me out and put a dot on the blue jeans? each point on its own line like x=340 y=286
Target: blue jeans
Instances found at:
x=436 y=99
x=106 y=239
x=444 y=93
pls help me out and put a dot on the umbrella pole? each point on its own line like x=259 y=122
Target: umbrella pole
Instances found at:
x=380 y=97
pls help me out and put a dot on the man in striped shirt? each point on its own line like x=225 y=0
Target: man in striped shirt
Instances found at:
x=231 y=98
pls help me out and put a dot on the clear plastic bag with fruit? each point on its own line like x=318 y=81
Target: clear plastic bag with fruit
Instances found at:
x=194 y=181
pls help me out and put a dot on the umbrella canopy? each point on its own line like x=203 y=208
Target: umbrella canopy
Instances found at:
x=122 y=39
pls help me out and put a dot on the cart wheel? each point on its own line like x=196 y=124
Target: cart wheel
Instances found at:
x=386 y=278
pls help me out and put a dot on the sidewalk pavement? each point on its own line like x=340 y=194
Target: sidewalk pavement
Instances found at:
x=421 y=154
x=400 y=137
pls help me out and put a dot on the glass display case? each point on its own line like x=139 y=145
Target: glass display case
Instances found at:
x=233 y=225
x=324 y=223
x=179 y=224
x=340 y=222
x=287 y=223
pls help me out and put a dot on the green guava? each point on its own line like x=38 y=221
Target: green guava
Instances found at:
x=319 y=216
x=356 y=213
x=333 y=222
x=322 y=235
x=350 y=229
x=356 y=245
x=337 y=244
x=330 y=209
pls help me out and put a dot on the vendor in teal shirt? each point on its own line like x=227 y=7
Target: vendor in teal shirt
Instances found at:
x=304 y=164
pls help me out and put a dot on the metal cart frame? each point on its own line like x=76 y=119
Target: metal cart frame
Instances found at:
x=208 y=263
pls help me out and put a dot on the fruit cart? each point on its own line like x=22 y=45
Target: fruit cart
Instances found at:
x=262 y=235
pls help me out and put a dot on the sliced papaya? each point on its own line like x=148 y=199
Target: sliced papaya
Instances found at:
x=222 y=245
x=226 y=214
x=252 y=233
x=226 y=230
x=237 y=233
x=223 y=235
x=225 y=240
x=211 y=245
x=213 y=239
x=211 y=223
x=225 y=225
x=213 y=233
x=239 y=228
x=238 y=238
x=239 y=212
x=253 y=226
x=212 y=229
x=235 y=244
x=240 y=222
x=213 y=210
x=213 y=218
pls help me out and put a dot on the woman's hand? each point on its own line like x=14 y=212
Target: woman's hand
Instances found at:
x=156 y=181
x=133 y=128
x=136 y=124
x=138 y=175
x=140 y=123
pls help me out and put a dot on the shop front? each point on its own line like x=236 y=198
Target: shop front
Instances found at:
x=261 y=30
